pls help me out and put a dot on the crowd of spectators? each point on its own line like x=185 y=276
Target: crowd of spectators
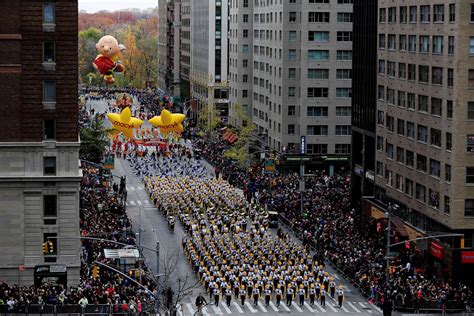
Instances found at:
x=332 y=228
x=102 y=215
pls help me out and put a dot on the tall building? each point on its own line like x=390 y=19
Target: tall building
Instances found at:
x=39 y=145
x=300 y=57
x=185 y=50
x=209 y=54
x=364 y=98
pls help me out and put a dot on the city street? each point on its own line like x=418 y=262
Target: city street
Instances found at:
x=146 y=219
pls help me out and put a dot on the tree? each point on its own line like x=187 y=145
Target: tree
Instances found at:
x=87 y=52
x=208 y=118
x=94 y=140
x=240 y=150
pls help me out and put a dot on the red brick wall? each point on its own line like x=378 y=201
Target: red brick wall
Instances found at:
x=21 y=89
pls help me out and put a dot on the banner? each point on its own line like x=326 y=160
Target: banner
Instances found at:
x=437 y=250
x=467 y=257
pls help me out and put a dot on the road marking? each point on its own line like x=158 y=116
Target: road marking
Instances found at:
x=335 y=275
x=319 y=306
x=140 y=188
x=146 y=202
x=310 y=308
x=132 y=202
x=227 y=309
x=217 y=309
x=273 y=306
x=205 y=311
x=345 y=309
x=352 y=305
x=190 y=308
x=285 y=307
x=250 y=307
x=365 y=307
x=376 y=308
x=262 y=307
x=297 y=308
x=131 y=188
x=139 y=202
x=330 y=306
x=237 y=307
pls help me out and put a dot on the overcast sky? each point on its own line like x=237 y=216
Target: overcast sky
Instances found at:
x=112 y=5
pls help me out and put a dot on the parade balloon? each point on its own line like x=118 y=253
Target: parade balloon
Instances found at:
x=168 y=122
x=124 y=122
x=123 y=100
x=107 y=62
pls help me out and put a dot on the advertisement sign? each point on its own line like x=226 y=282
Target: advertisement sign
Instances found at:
x=303 y=145
x=467 y=257
x=437 y=250
x=270 y=166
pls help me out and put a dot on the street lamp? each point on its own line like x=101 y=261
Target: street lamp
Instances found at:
x=390 y=209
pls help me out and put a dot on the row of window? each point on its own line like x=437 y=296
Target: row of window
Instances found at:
x=422 y=14
x=321 y=111
x=322 y=17
x=317 y=92
x=266 y=3
x=417 y=43
x=439 y=76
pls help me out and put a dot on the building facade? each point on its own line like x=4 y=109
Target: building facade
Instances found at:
x=425 y=113
x=39 y=146
x=209 y=56
x=300 y=57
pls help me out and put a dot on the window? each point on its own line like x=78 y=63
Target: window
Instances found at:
x=452 y=12
x=412 y=43
x=318 y=55
x=49 y=129
x=399 y=182
x=422 y=103
x=318 y=1
x=345 y=1
x=245 y=63
x=449 y=141
x=246 y=3
x=438 y=44
x=435 y=168
x=292 y=17
x=344 y=36
x=423 y=73
x=49 y=91
x=410 y=157
x=392 y=42
x=433 y=199
x=317 y=92
x=380 y=117
x=390 y=123
x=402 y=70
x=319 y=17
x=401 y=98
x=379 y=143
x=412 y=72
x=50 y=206
x=409 y=187
x=469 y=207
x=424 y=44
x=447 y=173
x=344 y=74
x=469 y=174
x=450 y=77
x=447 y=204
x=343 y=111
x=471 y=45
x=400 y=127
x=403 y=14
x=400 y=155
x=422 y=134
x=449 y=109
x=420 y=193
x=389 y=150
x=291 y=110
x=402 y=42
x=317 y=111
x=382 y=15
x=292 y=36
x=410 y=130
x=291 y=92
x=48 y=52
x=49 y=164
x=291 y=129
x=318 y=73
x=382 y=67
x=320 y=130
x=381 y=41
x=292 y=54
x=317 y=148
x=392 y=15
x=391 y=69
x=245 y=78
x=436 y=106
x=245 y=49
x=291 y=73
x=344 y=17
x=451 y=45
x=470 y=78
x=413 y=14
x=424 y=13
x=343 y=149
x=343 y=92
x=245 y=18
x=420 y=162
x=438 y=13
x=344 y=55
x=437 y=75
x=318 y=36
x=244 y=93
x=49 y=13
x=343 y=130
x=381 y=93
x=410 y=101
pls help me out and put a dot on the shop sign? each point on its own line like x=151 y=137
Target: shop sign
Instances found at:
x=437 y=250
x=467 y=257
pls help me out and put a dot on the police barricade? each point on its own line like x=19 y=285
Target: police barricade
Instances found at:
x=68 y=309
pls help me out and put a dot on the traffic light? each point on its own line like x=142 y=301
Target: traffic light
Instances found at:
x=462 y=243
x=50 y=247
x=407 y=245
x=95 y=272
x=45 y=248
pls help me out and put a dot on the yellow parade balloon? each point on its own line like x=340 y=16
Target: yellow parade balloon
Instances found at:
x=168 y=122
x=124 y=122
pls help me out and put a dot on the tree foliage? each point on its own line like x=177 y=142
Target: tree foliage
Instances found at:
x=208 y=119
x=240 y=150
x=94 y=140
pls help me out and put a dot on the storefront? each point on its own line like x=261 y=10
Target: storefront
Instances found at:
x=51 y=274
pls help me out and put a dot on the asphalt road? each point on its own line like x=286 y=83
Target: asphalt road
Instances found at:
x=147 y=221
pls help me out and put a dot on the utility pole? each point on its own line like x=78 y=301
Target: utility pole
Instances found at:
x=390 y=209
x=157 y=268
x=302 y=184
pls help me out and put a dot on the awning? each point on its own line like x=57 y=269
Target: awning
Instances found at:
x=399 y=226
x=376 y=213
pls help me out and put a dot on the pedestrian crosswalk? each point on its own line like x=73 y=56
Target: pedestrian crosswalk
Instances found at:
x=235 y=307
x=145 y=203
x=135 y=188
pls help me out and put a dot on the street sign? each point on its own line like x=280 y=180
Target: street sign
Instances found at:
x=303 y=145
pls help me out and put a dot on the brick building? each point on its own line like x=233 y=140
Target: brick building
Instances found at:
x=39 y=145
